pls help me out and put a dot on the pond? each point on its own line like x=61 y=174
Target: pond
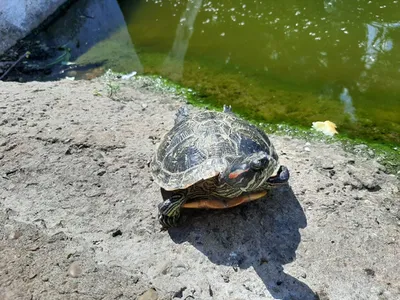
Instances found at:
x=293 y=61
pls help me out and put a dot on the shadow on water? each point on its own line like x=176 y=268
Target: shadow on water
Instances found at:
x=263 y=235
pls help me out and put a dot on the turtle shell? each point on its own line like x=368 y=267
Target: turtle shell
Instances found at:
x=201 y=145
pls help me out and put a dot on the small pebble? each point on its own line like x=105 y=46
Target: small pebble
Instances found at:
x=327 y=165
x=10 y=147
x=179 y=294
x=369 y=272
x=15 y=235
x=361 y=147
x=75 y=270
x=358 y=196
x=150 y=294
x=307 y=149
x=3 y=142
x=371 y=153
x=225 y=278
x=116 y=233
x=101 y=172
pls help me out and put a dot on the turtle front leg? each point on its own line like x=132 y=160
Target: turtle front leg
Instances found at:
x=169 y=211
x=279 y=179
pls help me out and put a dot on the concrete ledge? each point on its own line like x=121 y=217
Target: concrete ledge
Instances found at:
x=19 y=18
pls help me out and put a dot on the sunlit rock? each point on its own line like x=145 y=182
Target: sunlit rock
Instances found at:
x=75 y=270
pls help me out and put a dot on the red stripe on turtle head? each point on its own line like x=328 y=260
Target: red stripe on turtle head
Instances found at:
x=236 y=173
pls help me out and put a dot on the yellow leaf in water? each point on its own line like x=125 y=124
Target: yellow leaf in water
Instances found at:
x=327 y=127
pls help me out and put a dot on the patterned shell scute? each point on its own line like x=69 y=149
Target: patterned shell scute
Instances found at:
x=202 y=145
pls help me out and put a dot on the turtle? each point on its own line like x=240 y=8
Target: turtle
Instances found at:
x=213 y=160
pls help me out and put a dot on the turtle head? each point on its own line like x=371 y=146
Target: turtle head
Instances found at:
x=249 y=172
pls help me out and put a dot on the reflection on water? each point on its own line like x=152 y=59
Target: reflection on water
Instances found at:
x=173 y=64
x=348 y=103
x=378 y=41
x=274 y=59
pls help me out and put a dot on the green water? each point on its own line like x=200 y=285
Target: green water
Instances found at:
x=292 y=61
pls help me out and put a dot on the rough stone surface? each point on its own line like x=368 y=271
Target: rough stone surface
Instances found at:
x=74 y=170
x=18 y=18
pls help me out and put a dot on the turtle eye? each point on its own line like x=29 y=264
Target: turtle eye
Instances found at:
x=259 y=164
x=255 y=165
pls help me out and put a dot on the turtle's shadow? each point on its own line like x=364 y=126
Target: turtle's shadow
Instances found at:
x=263 y=234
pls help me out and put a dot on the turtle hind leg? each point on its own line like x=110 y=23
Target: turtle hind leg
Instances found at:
x=169 y=211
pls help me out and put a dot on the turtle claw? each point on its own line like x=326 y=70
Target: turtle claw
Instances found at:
x=281 y=178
